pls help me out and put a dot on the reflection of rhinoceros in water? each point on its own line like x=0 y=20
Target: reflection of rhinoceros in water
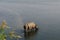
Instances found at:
x=31 y=26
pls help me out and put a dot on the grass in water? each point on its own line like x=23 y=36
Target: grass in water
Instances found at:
x=3 y=35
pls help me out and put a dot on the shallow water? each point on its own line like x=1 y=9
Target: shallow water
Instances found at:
x=45 y=13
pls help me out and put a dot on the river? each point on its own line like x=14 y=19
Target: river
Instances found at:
x=45 y=13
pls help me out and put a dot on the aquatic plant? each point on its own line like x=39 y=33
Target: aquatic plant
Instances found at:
x=3 y=35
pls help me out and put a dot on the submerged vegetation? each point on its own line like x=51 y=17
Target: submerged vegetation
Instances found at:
x=4 y=35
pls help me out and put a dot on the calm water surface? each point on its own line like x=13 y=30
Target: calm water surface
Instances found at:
x=45 y=13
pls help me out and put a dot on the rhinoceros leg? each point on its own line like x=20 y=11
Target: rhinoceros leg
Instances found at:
x=28 y=27
x=36 y=27
x=24 y=27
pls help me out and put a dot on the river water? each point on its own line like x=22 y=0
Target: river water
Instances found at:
x=45 y=13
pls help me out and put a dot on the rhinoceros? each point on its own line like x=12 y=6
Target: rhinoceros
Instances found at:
x=31 y=26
